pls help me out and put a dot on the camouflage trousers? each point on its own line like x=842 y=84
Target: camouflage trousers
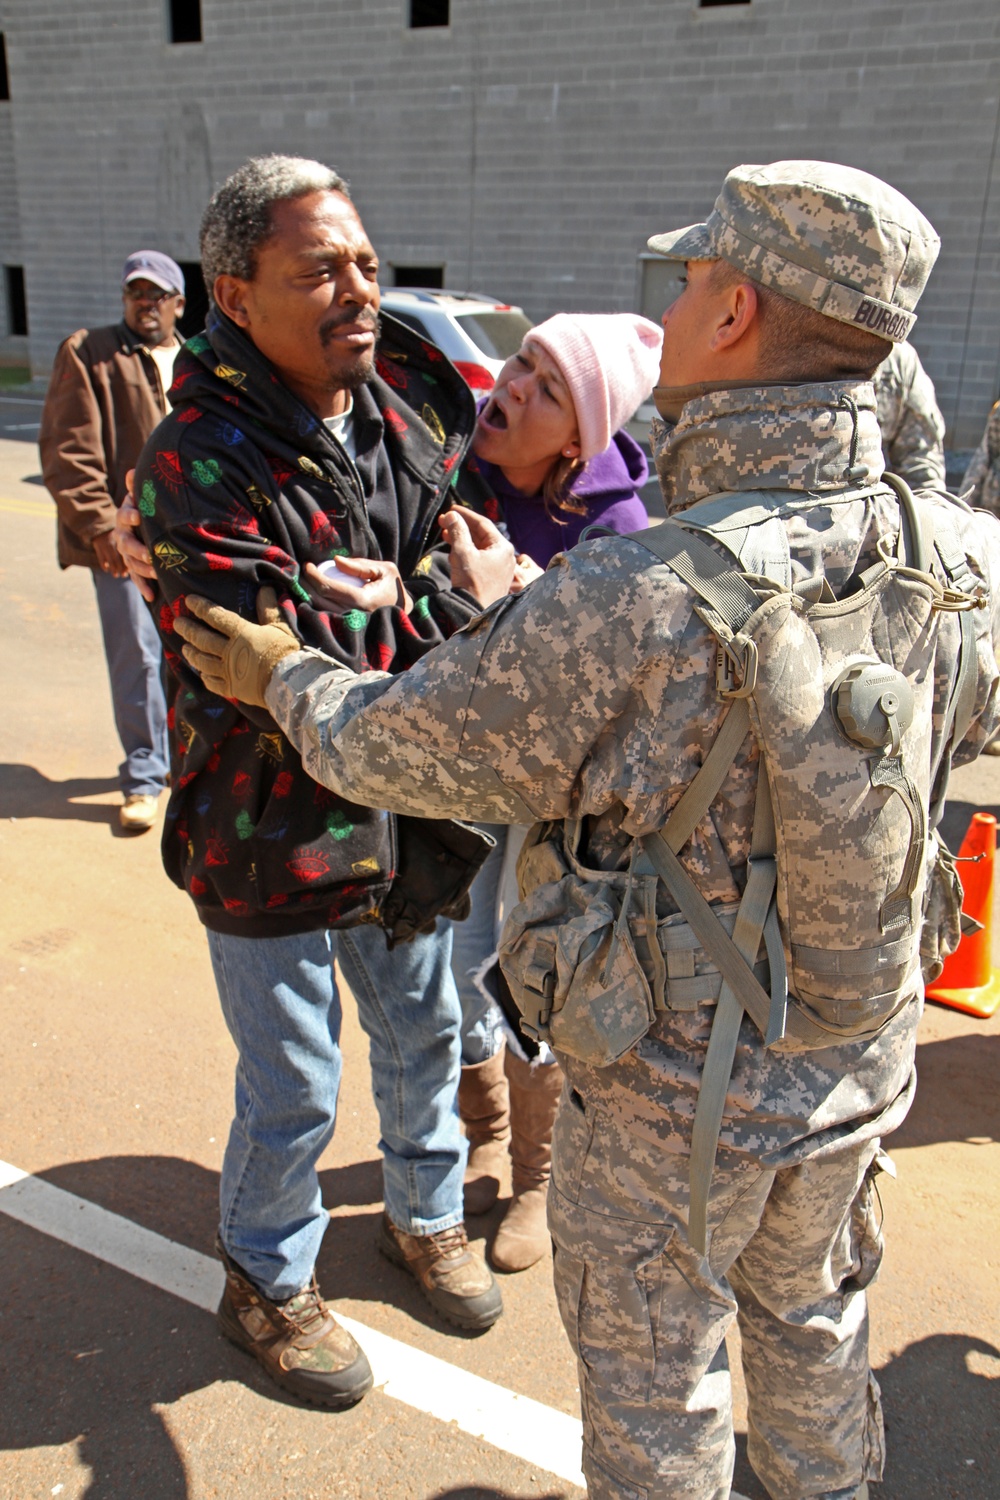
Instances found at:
x=790 y=1254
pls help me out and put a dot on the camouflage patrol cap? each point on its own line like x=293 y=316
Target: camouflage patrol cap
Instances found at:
x=836 y=239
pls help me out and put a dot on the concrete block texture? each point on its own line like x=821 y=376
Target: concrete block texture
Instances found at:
x=530 y=149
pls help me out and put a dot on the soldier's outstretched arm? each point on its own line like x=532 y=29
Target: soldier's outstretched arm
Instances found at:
x=502 y=721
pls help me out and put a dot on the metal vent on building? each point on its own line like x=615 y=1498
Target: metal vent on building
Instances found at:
x=429 y=13
x=185 y=20
x=431 y=277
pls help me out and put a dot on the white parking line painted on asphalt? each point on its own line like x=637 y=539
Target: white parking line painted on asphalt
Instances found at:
x=515 y=1424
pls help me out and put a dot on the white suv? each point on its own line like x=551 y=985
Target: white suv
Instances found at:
x=476 y=333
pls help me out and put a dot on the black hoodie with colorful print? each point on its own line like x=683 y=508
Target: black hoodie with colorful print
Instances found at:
x=238 y=487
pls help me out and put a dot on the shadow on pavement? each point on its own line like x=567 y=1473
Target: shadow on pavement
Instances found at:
x=946 y=1385
x=957 y=1097
x=180 y=1200
x=93 y=1355
x=476 y=1492
x=26 y=793
x=90 y=1355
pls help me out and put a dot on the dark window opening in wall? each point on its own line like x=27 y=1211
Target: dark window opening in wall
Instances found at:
x=707 y=4
x=185 y=20
x=429 y=276
x=429 y=13
x=195 y=300
x=17 y=302
x=4 y=78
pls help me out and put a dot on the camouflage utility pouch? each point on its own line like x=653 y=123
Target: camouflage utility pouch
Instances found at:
x=944 y=922
x=570 y=951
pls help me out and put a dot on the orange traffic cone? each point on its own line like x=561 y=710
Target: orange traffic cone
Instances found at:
x=969 y=981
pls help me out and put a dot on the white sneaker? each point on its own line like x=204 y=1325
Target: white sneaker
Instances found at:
x=138 y=812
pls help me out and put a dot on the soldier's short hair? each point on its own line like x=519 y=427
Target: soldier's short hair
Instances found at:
x=798 y=343
x=239 y=217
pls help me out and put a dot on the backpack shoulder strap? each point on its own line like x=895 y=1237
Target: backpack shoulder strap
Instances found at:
x=703 y=570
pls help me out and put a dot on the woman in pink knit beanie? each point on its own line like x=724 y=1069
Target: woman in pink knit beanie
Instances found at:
x=550 y=443
x=549 y=438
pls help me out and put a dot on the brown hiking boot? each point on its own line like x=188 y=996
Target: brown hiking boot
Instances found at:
x=299 y=1342
x=482 y=1107
x=456 y=1281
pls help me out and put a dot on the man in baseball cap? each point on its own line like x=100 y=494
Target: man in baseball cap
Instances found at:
x=591 y=702
x=107 y=393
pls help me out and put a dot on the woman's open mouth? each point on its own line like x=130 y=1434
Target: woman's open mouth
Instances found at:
x=493 y=417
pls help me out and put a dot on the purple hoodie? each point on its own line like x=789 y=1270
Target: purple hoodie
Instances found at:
x=608 y=486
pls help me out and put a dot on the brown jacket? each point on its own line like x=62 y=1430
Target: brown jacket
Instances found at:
x=103 y=401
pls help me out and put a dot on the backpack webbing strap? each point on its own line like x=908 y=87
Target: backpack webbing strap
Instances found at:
x=703 y=570
x=709 y=931
x=757 y=903
x=702 y=791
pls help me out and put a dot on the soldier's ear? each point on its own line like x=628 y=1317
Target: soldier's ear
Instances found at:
x=735 y=320
x=229 y=293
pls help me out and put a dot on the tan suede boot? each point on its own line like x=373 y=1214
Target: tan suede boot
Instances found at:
x=523 y=1237
x=485 y=1113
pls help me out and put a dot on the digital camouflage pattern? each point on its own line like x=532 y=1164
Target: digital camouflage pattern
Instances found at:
x=910 y=419
x=982 y=476
x=649 y=1315
x=593 y=695
x=836 y=239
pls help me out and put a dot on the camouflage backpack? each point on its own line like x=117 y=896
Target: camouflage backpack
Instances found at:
x=838 y=695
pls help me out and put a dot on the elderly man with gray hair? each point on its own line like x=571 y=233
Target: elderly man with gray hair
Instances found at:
x=304 y=431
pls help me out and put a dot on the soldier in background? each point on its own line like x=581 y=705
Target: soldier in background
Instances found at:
x=592 y=700
x=981 y=485
x=910 y=419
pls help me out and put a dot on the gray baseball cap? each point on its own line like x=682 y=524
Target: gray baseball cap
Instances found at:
x=154 y=266
x=836 y=239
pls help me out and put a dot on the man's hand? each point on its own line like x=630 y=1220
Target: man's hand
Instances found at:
x=482 y=559
x=134 y=554
x=379 y=585
x=108 y=559
x=234 y=658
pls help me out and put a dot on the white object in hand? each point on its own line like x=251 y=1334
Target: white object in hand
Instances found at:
x=337 y=574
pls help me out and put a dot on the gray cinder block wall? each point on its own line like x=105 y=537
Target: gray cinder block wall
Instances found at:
x=529 y=148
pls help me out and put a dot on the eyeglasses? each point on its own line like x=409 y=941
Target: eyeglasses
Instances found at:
x=133 y=294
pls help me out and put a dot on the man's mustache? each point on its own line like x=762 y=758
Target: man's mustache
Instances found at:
x=365 y=319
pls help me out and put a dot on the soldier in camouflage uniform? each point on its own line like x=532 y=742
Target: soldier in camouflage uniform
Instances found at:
x=910 y=419
x=593 y=697
x=982 y=476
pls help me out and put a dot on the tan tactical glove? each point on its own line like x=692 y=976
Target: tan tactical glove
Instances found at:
x=235 y=658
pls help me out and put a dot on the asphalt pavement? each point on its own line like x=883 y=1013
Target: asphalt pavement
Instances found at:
x=117 y=1088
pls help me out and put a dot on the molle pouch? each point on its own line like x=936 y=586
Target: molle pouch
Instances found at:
x=569 y=954
x=943 y=921
x=570 y=961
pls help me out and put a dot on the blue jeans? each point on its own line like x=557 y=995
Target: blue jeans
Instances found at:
x=473 y=942
x=135 y=670
x=281 y=1004
x=493 y=893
